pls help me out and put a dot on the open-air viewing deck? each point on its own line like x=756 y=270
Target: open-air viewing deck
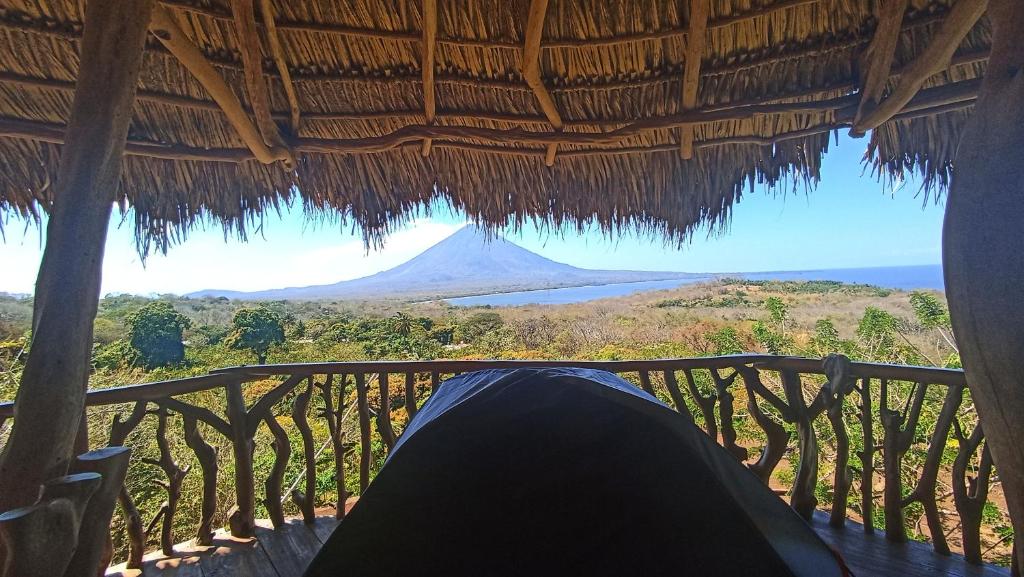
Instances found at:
x=613 y=117
x=828 y=429
x=289 y=549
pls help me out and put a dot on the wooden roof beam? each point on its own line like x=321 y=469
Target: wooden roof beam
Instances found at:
x=408 y=36
x=875 y=64
x=255 y=84
x=935 y=58
x=844 y=107
x=695 y=43
x=531 y=71
x=650 y=77
x=277 y=52
x=164 y=26
x=429 y=48
x=928 y=102
x=190 y=103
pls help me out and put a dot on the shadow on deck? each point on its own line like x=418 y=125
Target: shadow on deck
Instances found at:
x=287 y=551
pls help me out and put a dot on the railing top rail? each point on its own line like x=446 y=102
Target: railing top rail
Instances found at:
x=466 y=365
x=927 y=375
x=930 y=375
x=224 y=376
x=145 y=391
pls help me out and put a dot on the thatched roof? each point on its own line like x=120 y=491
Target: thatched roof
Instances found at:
x=606 y=92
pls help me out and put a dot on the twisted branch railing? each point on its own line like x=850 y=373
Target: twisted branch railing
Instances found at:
x=790 y=402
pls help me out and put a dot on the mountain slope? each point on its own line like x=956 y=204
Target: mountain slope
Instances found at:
x=464 y=263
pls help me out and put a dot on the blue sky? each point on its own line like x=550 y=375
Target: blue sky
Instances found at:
x=848 y=221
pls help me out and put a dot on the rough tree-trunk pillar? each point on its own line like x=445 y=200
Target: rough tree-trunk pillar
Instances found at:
x=50 y=400
x=983 y=255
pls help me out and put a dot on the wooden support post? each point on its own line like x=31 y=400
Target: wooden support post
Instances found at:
x=336 y=429
x=92 y=555
x=206 y=454
x=645 y=383
x=924 y=492
x=41 y=538
x=429 y=48
x=531 y=71
x=272 y=486
x=306 y=498
x=242 y=518
x=696 y=38
x=802 y=499
x=384 y=426
x=50 y=401
x=672 y=384
x=365 y=446
x=867 y=457
x=410 y=395
x=77 y=488
x=983 y=255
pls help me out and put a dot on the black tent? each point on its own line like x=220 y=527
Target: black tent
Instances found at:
x=564 y=472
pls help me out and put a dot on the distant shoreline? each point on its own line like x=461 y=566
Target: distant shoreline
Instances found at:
x=902 y=278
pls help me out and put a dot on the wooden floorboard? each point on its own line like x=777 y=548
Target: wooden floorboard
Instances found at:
x=875 y=556
x=290 y=547
x=185 y=563
x=231 y=557
x=286 y=552
x=324 y=526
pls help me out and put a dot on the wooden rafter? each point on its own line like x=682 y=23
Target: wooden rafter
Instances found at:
x=164 y=26
x=932 y=101
x=408 y=36
x=741 y=62
x=695 y=43
x=256 y=86
x=277 y=52
x=875 y=63
x=934 y=59
x=53 y=133
x=189 y=103
x=531 y=71
x=429 y=46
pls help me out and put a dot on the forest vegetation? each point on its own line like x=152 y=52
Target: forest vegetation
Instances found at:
x=139 y=339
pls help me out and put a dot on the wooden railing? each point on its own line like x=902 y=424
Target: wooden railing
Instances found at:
x=868 y=414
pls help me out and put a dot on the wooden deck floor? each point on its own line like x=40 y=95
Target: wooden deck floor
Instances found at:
x=287 y=551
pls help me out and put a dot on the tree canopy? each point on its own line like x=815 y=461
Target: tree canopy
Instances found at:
x=155 y=335
x=256 y=329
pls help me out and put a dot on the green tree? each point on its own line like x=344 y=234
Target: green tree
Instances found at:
x=877 y=332
x=255 y=329
x=106 y=331
x=779 y=313
x=774 y=342
x=932 y=314
x=154 y=333
x=476 y=325
x=208 y=334
x=402 y=323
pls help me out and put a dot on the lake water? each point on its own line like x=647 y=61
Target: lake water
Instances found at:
x=894 y=277
x=901 y=277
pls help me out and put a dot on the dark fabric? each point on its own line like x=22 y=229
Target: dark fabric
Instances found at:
x=561 y=472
